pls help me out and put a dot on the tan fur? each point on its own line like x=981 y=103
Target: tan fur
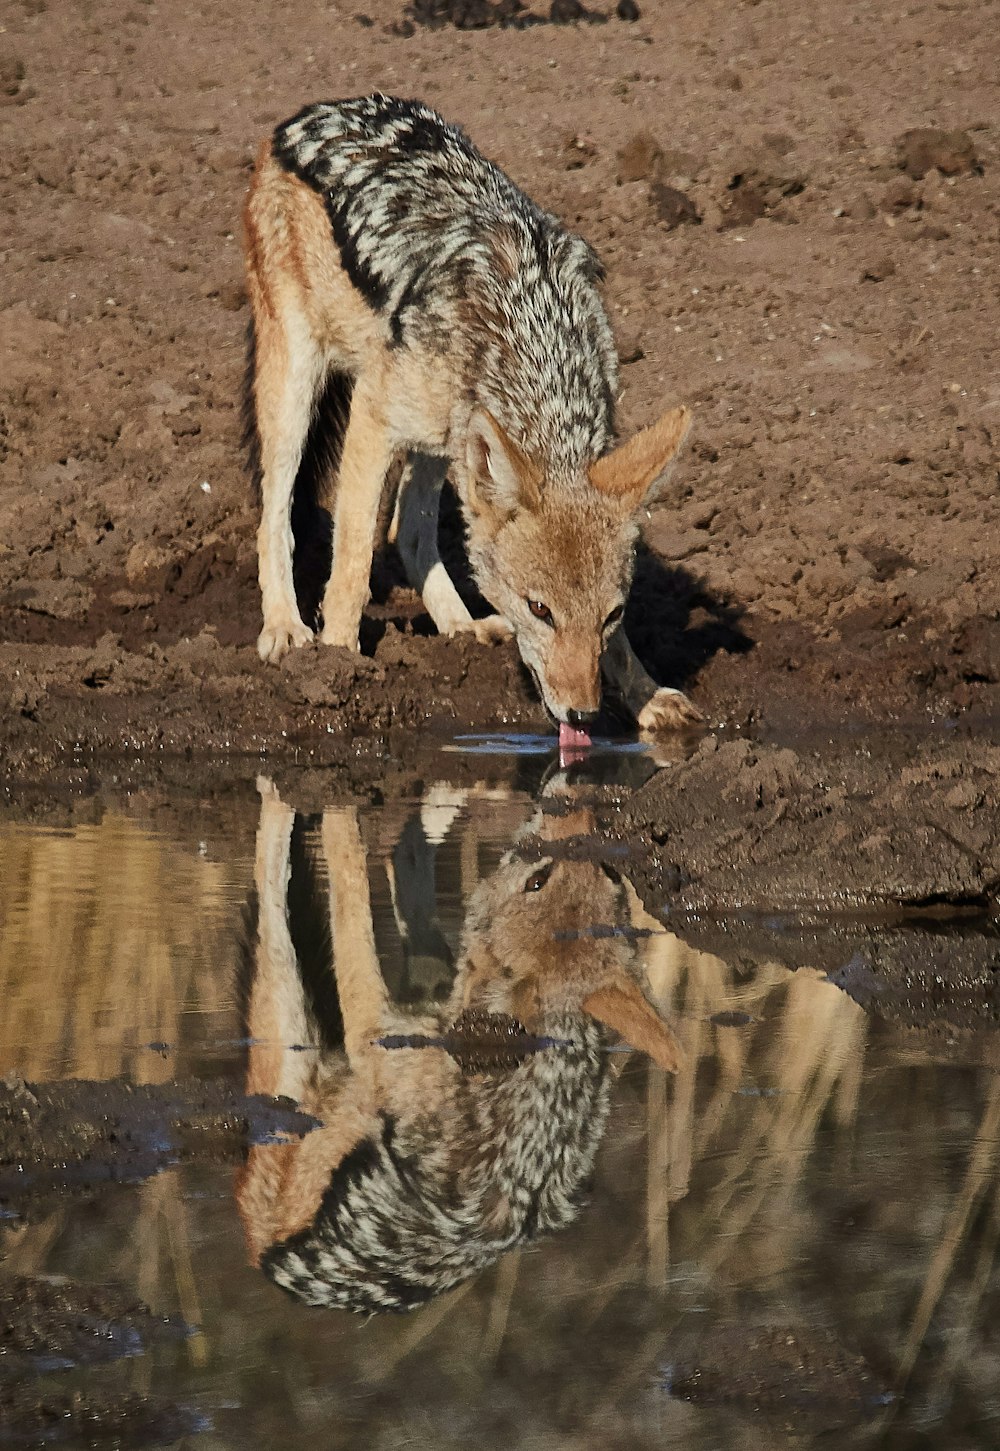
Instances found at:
x=569 y=548
x=522 y=952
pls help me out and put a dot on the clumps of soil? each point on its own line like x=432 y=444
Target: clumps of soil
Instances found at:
x=674 y=208
x=53 y=1324
x=642 y=158
x=507 y=14
x=776 y=1368
x=744 y=827
x=14 y=89
x=758 y=191
x=78 y=1135
x=926 y=148
x=33 y=1416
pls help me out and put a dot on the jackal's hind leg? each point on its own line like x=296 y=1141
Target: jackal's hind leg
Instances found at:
x=655 y=707
x=287 y=376
x=368 y=452
x=278 y=1018
x=416 y=535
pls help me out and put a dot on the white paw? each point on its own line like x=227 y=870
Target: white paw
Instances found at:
x=491 y=630
x=344 y=638
x=277 y=639
x=266 y=789
x=669 y=710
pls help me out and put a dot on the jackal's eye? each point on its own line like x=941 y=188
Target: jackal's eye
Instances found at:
x=614 y=618
x=537 y=880
x=540 y=611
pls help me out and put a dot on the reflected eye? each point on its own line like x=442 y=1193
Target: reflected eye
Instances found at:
x=537 y=880
x=614 y=617
x=540 y=611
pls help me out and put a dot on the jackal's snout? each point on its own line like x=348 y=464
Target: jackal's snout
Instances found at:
x=570 y=681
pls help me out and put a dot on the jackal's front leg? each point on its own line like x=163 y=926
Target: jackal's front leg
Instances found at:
x=288 y=369
x=364 y=998
x=655 y=707
x=367 y=453
x=415 y=530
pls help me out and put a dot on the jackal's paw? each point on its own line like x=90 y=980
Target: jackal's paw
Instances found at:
x=272 y=808
x=276 y=640
x=334 y=634
x=491 y=630
x=669 y=710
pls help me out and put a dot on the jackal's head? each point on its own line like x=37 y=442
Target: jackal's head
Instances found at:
x=555 y=557
x=528 y=951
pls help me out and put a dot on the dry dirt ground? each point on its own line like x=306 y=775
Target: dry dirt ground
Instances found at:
x=783 y=252
x=823 y=295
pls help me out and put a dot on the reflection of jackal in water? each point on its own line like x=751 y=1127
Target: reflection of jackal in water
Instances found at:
x=421 y=1176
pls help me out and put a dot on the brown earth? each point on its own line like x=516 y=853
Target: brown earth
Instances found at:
x=78 y=1136
x=798 y=208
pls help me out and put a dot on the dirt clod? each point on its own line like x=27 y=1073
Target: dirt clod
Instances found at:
x=927 y=148
x=673 y=208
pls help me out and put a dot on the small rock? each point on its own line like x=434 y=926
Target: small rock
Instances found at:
x=232 y=296
x=630 y=349
x=639 y=159
x=927 y=148
x=11 y=74
x=673 y=208
x=899 y=195
x=627 y=10
x=861 y=208
x=577 y=150
x=878 y=268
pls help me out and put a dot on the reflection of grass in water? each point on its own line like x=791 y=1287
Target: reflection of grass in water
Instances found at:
x=145 y=932
x=108 y=934
x=112 y=938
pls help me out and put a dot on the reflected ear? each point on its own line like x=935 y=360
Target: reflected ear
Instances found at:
x=633 y=470
x=501 y=478
x=623 y=1007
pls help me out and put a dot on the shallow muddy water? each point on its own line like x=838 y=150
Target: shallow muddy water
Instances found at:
x=627 y=1192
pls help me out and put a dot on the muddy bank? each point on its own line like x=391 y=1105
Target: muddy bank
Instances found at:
x=75 y=1137
x=794 y=245
x=34 y=1417
x=892 y=822
x=55 y=1324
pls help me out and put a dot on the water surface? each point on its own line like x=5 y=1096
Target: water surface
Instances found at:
x=789 y=1240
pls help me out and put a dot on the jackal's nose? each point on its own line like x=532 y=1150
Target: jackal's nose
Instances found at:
x=581 y=718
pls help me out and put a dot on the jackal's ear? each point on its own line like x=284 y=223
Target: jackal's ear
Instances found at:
x=632 y=472
x=501 y=478
x=622 y=1006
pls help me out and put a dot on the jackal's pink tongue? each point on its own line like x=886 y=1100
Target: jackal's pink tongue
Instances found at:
x=571 y=739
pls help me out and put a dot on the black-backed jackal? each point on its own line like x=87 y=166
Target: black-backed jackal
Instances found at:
x=390 y=264
x=424 y=1172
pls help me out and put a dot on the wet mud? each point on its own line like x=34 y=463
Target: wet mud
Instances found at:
x=796 y=255
x=58 y=1138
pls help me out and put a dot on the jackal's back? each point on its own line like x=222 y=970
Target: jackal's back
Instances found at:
x=461 y=263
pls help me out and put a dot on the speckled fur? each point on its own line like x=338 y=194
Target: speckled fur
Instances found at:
x=461 y=263
x=386 y=254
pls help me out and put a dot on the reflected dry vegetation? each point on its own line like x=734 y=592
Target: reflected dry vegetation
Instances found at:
x=795 y=1230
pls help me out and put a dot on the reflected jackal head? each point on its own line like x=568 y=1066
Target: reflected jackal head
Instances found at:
x=422 y=1175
